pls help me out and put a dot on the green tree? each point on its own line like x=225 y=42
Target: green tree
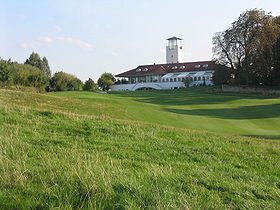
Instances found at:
x=5 y=74
x=105 y=81
x=62 y=81
x=27 y=75
x=222 y=75
x=247 y=45
x=187 y=81
x=42 y=64
x=90 y=85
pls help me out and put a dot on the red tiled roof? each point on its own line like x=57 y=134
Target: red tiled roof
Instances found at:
x=169 y=68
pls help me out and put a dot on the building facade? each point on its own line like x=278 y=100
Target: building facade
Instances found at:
x=170 y=75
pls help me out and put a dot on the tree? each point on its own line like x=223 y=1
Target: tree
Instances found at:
x=35 y=60
x=62 y=81
x=5 y=74
x=105 y=81
x=27 y=75
x=187 y=81
x=222 y=75
x=90 y=85
x=247 y=45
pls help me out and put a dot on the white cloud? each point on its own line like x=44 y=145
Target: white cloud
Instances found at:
x=46 y=39
x=50 y=40
x=76 y=42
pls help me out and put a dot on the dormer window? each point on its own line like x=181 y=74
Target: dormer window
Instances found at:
x=174 y=67
x=145 y=69
x=182 y=67
x=138 y=70
x=205 y=66
x=197 y=66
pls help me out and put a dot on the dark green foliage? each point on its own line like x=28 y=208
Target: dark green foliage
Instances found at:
x=5 y=74
x=42 y=64
x=250 y=47
x=90 y=85
x=121 y=81
x=62 y=81
x=105 y=81
x=187 y=81
x=22 y=75
x=222 y=75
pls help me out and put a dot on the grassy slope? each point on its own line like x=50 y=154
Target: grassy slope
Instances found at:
x=54 y=154
x=193 y=108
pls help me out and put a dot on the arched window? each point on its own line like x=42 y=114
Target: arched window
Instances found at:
x=194 y=78
x=175 y=79
x=199 y=78
x=171 y=80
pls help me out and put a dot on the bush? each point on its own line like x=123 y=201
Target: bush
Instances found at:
x=90 y=85
x=62 y=81
x=23 y=75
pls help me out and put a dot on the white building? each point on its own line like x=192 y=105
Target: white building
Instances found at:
x=169 y=75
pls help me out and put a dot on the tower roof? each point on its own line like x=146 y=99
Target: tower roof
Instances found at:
x=174 y=38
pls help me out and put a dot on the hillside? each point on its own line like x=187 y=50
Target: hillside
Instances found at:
x=74 y=150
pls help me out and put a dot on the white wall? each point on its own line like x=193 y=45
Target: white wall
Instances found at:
x=156 y=85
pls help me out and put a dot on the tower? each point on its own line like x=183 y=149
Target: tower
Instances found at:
x=174 y=50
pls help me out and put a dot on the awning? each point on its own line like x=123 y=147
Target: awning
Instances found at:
x=185 y=74
x=167 y=75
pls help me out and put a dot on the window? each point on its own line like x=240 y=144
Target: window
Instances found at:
x=138 y=70
x=145 y=69
x=174 y=67
x=199 y=78
x=175 y=79
x=197 y=66
x=171 y=80
x=194 y=78
x=205 y=66
x=179 y=79
x=182 y=67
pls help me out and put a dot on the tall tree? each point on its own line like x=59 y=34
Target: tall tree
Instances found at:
x=246 y=46
x=42 y=64
x=105 y=81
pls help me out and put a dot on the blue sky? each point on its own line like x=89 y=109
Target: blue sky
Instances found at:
x=89 y=37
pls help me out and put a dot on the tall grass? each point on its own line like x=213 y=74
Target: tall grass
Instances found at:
x=62 y=158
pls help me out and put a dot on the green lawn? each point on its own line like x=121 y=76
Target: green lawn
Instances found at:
x=194 y=108
x=141 y=150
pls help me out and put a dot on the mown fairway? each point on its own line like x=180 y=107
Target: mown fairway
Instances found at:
x=142 y=150
x=194 y=108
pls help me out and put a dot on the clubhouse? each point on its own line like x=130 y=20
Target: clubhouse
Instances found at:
x=170 y=75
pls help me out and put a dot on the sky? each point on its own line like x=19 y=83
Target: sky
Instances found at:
x=89 y=37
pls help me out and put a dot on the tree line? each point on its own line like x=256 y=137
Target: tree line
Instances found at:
x=35 y=72
x=248 y=53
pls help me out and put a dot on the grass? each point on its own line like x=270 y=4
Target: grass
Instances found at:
x=194 y=108
x=98 y=151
